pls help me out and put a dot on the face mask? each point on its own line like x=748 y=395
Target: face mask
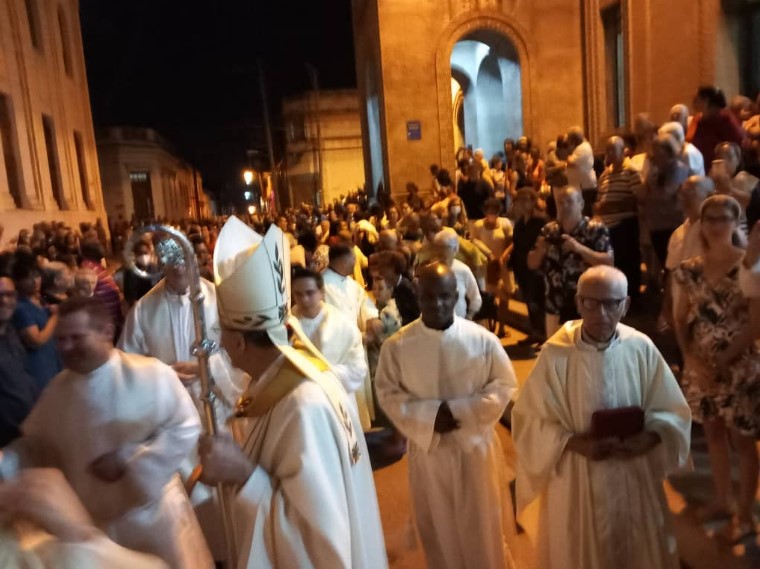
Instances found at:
x=143 y=260
x=456 y=210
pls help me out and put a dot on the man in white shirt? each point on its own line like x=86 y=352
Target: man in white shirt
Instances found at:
x=344 y=293
x=444 y=382
x=118 y=426
x=596 y=488
x=469 y=301
x=690 y=154
x=580 y=167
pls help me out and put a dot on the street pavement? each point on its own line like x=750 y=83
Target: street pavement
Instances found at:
x=700 y=546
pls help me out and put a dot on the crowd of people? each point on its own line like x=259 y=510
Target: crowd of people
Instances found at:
x=398 y=307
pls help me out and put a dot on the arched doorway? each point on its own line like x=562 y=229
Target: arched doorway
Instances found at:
x=486 y=90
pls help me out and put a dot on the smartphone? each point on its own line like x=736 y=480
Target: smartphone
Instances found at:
x=718 y=168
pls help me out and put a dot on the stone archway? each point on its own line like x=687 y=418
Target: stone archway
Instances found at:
x=494 y=28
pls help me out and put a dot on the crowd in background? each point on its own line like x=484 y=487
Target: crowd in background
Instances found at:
x=524 y=224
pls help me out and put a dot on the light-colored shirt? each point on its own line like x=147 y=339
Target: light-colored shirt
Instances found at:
x=345 y=294
x=581 y=172
x=469 y=301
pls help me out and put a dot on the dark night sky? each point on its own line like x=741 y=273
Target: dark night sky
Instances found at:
x=188 y=69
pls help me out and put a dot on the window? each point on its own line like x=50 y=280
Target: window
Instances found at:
x=63 y=29
x=8 y=141
x=53 y=162
x=297 y=130
x=33 y=17
x=82 y=167
x=614 y=65
x=138 y=176
x=744 y=16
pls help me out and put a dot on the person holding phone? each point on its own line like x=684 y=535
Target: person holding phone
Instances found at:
x=731 y=179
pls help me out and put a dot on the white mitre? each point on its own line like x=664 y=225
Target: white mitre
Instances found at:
x=252 y=277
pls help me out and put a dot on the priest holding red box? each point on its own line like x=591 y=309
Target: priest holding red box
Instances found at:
x=598 y=425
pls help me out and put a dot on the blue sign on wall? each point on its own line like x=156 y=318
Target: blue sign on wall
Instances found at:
x=413 y=130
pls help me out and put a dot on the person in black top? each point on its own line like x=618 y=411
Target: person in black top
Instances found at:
x=473 y=190
x=17 y=388
x=529 y=221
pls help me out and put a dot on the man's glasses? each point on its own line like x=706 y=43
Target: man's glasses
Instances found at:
x=609 y=304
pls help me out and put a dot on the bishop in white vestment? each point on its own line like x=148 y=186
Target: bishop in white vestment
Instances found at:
x=598 y=501
x=444 y=382
x=307 y=496
x=118 y=428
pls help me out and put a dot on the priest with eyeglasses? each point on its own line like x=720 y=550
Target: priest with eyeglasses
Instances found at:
x=598 y=425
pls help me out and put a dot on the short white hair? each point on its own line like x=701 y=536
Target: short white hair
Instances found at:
x=674 y=129
x=447 y=237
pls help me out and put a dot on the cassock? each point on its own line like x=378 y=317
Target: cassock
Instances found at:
x=340 y=342
x=608 y=513
x=458 y=484
x=307 y=504
x=161 y=325
x=349 y=298
x=138 y=407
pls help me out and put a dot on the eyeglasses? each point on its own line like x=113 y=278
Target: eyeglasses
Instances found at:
x=609 y=304
x=716 y=219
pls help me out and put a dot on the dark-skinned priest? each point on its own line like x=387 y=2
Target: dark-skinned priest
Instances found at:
x=444 y=382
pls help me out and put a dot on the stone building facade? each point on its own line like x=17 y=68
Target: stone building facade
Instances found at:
x=48 y=160
x=323 y=131
x=144 y=178
x=434 y=74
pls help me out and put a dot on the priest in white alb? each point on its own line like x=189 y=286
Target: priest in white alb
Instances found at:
x=161 y=325
x=117 y=425
x=306 y=495
x=332 y=333
x=444 y=382
x=598 y=425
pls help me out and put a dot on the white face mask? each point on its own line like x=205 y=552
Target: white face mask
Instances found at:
x=143 y=260
x=456 y=210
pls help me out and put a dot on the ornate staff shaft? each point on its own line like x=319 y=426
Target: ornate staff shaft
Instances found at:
x=175 y=251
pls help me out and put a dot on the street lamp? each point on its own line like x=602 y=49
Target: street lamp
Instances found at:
x=251 y=209
x=248 y=177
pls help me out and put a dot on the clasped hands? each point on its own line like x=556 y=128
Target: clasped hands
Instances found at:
x=613 y=447
x=445 y=422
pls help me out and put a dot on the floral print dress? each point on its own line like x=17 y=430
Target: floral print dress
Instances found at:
x=718 y=312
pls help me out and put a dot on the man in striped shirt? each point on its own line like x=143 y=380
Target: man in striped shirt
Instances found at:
x=617 y=206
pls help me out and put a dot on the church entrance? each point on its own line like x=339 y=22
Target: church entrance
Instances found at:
x=486 y=91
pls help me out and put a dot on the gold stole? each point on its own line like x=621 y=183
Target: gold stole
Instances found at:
x=303 y=365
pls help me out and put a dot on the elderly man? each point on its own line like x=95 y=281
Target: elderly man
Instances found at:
x=444 y=382
x=600 y=421
x=690 y=154
x=57 y=282
x=118 y=426
x=617 y=207
x=469 y=301
x=580 y=166
x=565 y=249
x=305 y=495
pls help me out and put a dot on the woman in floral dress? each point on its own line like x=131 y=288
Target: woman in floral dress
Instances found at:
x=716 y=327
